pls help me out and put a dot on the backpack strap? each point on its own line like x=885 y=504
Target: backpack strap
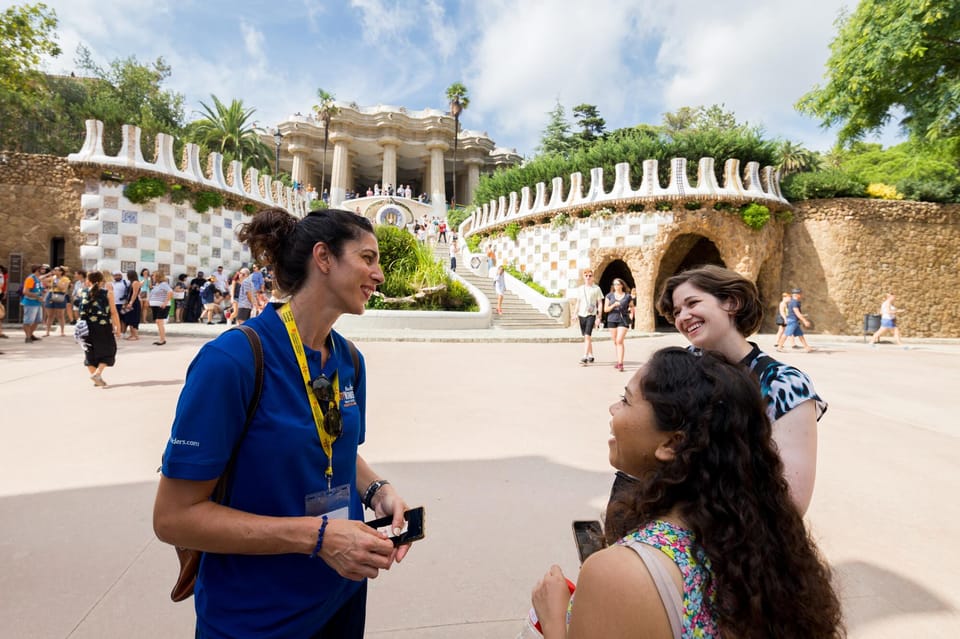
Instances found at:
x=220 y=491
x=355 y=356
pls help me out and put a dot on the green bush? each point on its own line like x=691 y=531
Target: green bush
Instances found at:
x=457 y=297
x=692 y=205
x=249 y=209
x=664 y=206
x=722 y=206
x=179 y=193
x=528 y=280
x=473 y=243
x=206 y=200
x=930 y=190
x=144 y=189
x=398 y=250
x=455 y=217
x=755 y=215
x=822 y=184
x=512 y=230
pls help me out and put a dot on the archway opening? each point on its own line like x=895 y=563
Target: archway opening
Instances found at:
x=685 y=252
x=613 y=270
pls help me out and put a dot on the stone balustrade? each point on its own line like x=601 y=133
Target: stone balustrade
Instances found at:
x=261 y=189
x=755 y=186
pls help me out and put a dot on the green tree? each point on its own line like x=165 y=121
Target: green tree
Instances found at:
x=459 y=100
x=325 y=111
x=592 y=126
x=27 y=32
x=229 y=130
x=887 y=54
x=556 y=138
x=127 y=92
x=793 y=158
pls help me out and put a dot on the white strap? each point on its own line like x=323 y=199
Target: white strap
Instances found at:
x=670 y=594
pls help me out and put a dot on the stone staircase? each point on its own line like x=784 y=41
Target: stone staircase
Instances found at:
x=516 y=312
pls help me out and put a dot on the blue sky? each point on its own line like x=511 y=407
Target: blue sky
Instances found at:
x=634 y=59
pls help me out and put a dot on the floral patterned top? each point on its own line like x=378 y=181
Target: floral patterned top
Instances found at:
x=95 y=311
x=698 y=620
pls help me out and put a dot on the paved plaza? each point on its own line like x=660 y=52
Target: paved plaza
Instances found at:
x=503 y=442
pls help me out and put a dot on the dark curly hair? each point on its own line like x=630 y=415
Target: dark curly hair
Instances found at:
x=279 y=239
x=726 y=482
x=725 y=285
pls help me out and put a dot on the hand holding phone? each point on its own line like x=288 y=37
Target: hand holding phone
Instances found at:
x=412 y=531
x=589 y=538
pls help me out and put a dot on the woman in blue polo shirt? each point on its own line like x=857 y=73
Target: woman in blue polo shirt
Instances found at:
x=288 y=555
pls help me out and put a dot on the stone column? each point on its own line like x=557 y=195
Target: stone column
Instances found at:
x=473 y=178
x=438 y=191
x=301 y=167
x=389 y=162
x=338 y=175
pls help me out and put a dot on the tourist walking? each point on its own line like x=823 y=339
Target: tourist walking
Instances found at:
x=453 y=256
x=179 y=297
x=247 y=301
x=194 y=310
x=98 y=326
x=132 y=308
x=289 y=557
x=73 y=306
x=500 y=287
x=888 y=320
x=57 y=287
x=160 y=295
x=618 y=305
x=587 y=302
x=716 y=309
x=722 y=549
x=794 y=319
x=781 y=319
x=32 y=302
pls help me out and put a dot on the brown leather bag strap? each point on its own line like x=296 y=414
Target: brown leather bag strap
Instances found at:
x=220 y=491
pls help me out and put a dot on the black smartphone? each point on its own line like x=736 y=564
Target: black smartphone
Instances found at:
x=412 y=528
x=589 y=538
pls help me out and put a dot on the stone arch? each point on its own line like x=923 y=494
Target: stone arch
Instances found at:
x=684 y=252
x=616 y=268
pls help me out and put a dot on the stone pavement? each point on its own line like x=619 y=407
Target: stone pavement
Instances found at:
x=503 y=442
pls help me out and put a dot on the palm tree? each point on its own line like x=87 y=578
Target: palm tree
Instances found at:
x=459 y=100
x=325 y=111
x=230 y=131
x=793 y=158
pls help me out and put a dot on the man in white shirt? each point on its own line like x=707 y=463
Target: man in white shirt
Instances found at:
x=221 y=281
x=587 y=302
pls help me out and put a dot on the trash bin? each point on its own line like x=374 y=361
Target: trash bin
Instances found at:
x=871 y=324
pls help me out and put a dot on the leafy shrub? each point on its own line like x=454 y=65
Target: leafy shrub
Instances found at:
x=722 y=206
x=179 y=193
x=473 y=243
x=692 y=205
x=930 y=190
x=455 y=217
x=883 y=191
x=528 y=280
x=822 y=184
x=512 y=230
x=457 y=297
x=560 y=220
x=755 y=215
x=249 y=209
x=318 y=205
x=144 y=189
x=664 y=206
x=397 y=250
x=205 y=200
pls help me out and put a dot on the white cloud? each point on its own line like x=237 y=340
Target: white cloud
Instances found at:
x=253 y=44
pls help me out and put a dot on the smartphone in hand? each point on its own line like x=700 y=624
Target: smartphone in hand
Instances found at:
x=412 y=528
x=589 y=538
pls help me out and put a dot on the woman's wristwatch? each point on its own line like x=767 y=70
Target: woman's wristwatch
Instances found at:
x=371 y=491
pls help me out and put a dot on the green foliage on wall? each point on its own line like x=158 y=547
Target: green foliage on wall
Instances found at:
x=755 y=215
x=512 y=230
x=823 y=184
x=144 y=189
x=528 y=280
x=206 y=200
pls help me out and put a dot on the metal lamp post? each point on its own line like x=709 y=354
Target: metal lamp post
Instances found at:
x=277 y=137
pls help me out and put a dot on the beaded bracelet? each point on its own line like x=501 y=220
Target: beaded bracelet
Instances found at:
x=371 y=491
x=323 y=529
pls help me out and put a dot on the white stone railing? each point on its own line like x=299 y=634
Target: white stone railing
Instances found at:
x=260 y=188
x=515 y=208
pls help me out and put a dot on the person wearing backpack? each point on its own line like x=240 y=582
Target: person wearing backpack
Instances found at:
x=286 y=552
x=31 y=298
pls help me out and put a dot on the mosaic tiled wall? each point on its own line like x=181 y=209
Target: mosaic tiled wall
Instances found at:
x=554 y=257
x=157 y=235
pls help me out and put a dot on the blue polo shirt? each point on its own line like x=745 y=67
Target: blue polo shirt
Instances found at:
x=280 y=461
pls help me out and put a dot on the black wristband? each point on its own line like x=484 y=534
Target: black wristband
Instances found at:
x=372 y=490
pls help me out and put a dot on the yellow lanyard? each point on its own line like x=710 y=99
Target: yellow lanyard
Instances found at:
x=326 y=440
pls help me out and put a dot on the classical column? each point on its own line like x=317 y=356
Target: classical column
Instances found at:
x=338 y=176
x=389 y=162
x=301 y=168
x=438 y=191
x=473 y=178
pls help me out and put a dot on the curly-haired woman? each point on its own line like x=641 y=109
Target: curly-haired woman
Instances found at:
x=705 y=541
x=717 y=309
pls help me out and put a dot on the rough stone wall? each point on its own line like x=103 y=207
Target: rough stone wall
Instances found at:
x=39 y=200
x=847 y=253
